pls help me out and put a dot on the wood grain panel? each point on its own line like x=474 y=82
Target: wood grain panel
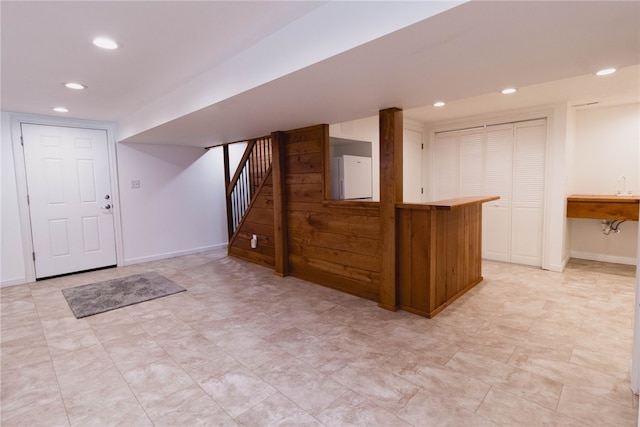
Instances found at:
x=265 y=246
x=354 y=244
x=307 y=178
x=603 y=207
x=349 y=208
x=258 y=220
x=280 y=225
x=335 y=256
x=346 y=225
x=311 y=133
x=251 y=256
x=391 y=129
x=331 y=245
x=260 y=216
x=404 y=259
x=264 y=203
x=304 y=163
x=306 y=193
x=261 y=230
x=440 y=261
x=361 y=283
x=420 y=259
x=309 y=146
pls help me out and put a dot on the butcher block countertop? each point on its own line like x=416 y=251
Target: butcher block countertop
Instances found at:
x=603 y=207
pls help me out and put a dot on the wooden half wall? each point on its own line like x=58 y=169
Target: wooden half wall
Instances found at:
x=333 y=243
x=301 y=231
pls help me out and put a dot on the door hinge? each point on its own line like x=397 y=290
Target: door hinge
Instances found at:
x=422 y=146
x=421 y=190
x=21 y=140
x=28 y=200
x=33 y=255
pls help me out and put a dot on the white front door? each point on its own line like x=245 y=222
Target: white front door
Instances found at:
x=70 y=201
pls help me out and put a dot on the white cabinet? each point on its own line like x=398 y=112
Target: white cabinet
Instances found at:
x=351 y=177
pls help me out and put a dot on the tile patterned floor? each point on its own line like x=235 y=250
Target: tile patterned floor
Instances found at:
x=245 y=347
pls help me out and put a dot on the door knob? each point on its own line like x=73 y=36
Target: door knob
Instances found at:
x=107 y=206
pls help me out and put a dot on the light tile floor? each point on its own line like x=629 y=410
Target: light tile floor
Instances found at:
x=245 y=347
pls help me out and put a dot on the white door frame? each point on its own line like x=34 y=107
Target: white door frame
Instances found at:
x=21 y=179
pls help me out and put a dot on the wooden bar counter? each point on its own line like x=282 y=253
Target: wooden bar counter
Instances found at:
x=439 y=252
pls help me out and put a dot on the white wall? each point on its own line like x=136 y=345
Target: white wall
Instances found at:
x=180 y=207
x=12 y=268
x=607 y=146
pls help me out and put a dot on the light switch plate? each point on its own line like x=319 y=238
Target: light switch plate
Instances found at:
x=135 y=183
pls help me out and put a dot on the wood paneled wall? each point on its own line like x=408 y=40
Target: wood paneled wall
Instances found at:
x=259 y=221
x=333 y=243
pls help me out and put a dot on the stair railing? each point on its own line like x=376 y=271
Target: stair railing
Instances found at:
x=252 y=170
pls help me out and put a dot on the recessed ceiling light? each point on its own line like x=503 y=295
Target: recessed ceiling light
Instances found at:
x=76 y=86
x=606 y=72
x=61 y=110
x=105 y=43
x=508 y=91
x=439 y=104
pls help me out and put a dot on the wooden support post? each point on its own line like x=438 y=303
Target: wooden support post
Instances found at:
x=391 y=129
x=279 y=174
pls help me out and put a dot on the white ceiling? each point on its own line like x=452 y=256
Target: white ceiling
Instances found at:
x=204 y=73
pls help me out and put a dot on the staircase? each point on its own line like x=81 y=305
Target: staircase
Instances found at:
x=253 y=169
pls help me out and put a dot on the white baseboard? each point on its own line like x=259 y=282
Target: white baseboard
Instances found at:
x=559 y=268
x=603 y=257
x=131 y=261
x=13 y=282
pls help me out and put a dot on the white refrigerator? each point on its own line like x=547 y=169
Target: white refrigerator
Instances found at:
x=351 y=177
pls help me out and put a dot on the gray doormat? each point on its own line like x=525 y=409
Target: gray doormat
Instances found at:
x=87 y=300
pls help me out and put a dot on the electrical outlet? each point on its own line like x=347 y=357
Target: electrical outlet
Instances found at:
x=135 y=184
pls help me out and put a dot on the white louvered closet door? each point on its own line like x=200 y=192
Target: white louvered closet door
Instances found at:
x=471 y=163
x=501 y=160
x=528 y=192
x=496 y=216
x=446 y=166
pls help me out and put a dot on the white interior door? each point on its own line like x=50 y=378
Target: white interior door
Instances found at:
x=70 y=202
x=412 y=166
